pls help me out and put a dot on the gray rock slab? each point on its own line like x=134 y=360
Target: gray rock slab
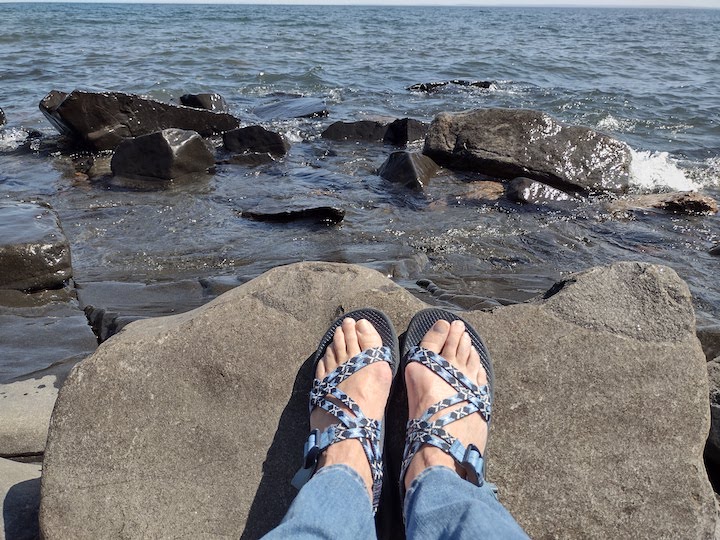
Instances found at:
x=691 y=203
x=34 y=253
x=36 y=333
x=193 y=425
x=20 y=496
x=508 y=143
x=525 y=190
x=410 y=169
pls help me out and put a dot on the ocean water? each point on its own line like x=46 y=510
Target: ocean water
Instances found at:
x=648 y=77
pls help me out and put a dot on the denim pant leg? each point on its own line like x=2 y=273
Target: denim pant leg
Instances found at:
x=334 y=504
x=440 y=504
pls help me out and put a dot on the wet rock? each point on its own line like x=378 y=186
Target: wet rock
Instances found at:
x=507 y=143
x=583 y=377
x=362 y=130
x=34 y=253
x=19 y=500
x=712 y=450
x=411 y=169
x=691 y=203
x=709 y=336
x=714 y=251
x=106 y=324
x=164 y=155
x=433 y=86
x=103 y=120
x=2 y=117
x=316 y=214
x=405 y=130
x=256 y=139
x=295 y=107
x=210 y=102
x=484 y=191
x=251 y=159
x=525 y=190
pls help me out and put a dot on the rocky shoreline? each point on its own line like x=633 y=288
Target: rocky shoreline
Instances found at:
x=125 y=138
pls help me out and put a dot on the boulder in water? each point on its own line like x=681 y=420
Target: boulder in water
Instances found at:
x=433 y=86
x=682 y=202
x=256 y=139
x=405 y=130
x=2 y=117
x=103 y=120
x=34 y=253
x=210 y=102
x=165 y=155
x=526 y=190
x=411 y=169
x=295 y=107
x=362 y=130
x=146 y=433
x=251 y=159
x=507 y=143
x=316 y=214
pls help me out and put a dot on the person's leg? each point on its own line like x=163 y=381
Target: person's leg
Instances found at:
x=337 y=501
x=440 y=502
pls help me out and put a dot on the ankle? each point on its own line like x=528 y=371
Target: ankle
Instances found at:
x=428 y=456
x=351 y=454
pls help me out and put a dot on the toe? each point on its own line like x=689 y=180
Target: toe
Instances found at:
x=351 y=338
x=368 y=337
x=339 y=349
x=464 y=349
x=435 y=338
x=475 y=364
x=450 y=349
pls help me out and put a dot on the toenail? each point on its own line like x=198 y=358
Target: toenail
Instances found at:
x=438 y=326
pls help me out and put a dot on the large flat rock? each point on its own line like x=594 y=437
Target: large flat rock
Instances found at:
x=19 y=499
x=508 y=143
x=34 y=253
x=192 y=425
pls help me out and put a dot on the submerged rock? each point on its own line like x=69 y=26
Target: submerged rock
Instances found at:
x=295 y=107
x=508 y=143
x=691 y=203
x=582 y=406
x=19 y=500
x=34 y=253
x=484 y=190
x=210 y=102
x=432 y=86
x=362 y=130
x=411 y=169
x=165 y=155
x=405 y=130
x=2 y=117
x=525 y=190
x=103 y=120
x=317 y=214
x=256 y=139
x=251 y=159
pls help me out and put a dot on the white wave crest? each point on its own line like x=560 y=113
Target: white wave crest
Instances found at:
x=12 y=139
x=611 y=123
x=657 y=170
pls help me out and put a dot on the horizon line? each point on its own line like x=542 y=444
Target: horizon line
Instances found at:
x=374 y=3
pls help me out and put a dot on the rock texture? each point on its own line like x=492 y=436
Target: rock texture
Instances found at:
x=362 y=130
x=411 y=169
x=525 y=190
x=210 y=102
x=103 y=120
x=20 y=499
x=165 y=155
x=404 y=130
x=34 y=253
x=256 y=139
x=192 y=425
x=508 y=143
x=691 y=203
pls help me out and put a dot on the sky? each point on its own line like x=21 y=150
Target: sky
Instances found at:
x=577 y=3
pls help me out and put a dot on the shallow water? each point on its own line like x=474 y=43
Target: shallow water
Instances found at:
x=648 y=77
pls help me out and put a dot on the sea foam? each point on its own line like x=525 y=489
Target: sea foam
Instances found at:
x=658 y=171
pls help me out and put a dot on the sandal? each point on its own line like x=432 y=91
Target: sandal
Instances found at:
x=478 y=399
x=353 y=424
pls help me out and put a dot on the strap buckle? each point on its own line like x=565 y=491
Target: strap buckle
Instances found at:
x=474 y=465
x=311 y=453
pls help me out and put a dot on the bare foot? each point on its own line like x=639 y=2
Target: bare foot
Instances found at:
x=425 y=388
x=369 y=388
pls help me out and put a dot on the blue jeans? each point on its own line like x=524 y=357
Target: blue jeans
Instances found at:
x=335 y=505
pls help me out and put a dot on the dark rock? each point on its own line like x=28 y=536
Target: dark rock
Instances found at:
x=714 y=251
x=713 y=442
x=164 y=155
x=34 y=253
x=709 y=336
x=525 y=190
x=104 y=120
x=405 y=130
x=318 y=214
x=296 y=107
x=411 y=169
x=210 y=102
x=691 y=203
x=597 y=422
x=256 y=139
x=251 y=159
x=432 y=86
x=2 y=117
x=106 y=324
x=19 y=500
x=507 y=143
x=362 y=130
